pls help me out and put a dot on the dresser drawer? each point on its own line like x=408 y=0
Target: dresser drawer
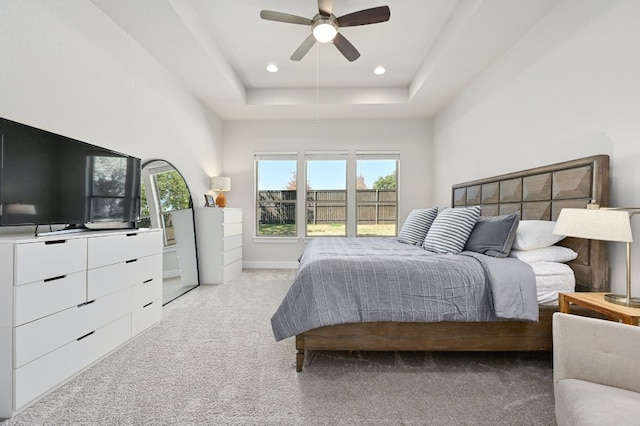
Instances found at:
x=37 y=377
x=112 y=249
x=42 y=298
x=45 y=335
x=231 y=229
x=232 y=270
x=49 y=259
x=231 y=256
x=107 y=279
x=232 y=215
x=231 y=243
x=148 y=291
x=145 y=316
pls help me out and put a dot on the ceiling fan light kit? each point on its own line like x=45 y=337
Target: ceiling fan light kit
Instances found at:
x=325 y=27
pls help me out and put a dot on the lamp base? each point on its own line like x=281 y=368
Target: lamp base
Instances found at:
x=621 y=299
x=221 y=200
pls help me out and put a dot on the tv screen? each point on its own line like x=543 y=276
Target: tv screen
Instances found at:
x=46 y=179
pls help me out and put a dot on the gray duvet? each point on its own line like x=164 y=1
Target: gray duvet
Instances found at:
x=347 y=280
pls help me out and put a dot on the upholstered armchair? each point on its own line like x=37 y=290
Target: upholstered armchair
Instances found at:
x=596 y=371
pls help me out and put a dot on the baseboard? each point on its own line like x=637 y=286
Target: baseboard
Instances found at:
x=269 y=265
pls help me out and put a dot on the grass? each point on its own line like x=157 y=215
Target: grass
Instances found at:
x=328 y=230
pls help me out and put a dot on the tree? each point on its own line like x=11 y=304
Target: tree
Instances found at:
x=385 y=182
x=292 y=185
x=172 y=191
x=360 y=183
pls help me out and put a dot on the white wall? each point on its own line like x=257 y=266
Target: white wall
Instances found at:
x=412 y=138
x=569 y=89
x=66 y=68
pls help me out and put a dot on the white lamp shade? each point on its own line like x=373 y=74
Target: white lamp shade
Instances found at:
x=221 y=183
x=594 y=224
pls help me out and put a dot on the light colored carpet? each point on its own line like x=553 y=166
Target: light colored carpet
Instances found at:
x=213 y=361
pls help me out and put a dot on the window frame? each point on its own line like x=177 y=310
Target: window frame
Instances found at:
x=327 y=156
x=275 y=156
x=377 y=156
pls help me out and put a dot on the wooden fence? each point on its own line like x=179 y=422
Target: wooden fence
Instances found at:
x=374 y=206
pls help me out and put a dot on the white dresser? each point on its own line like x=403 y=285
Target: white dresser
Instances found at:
x=219 y=240
x=68 y=300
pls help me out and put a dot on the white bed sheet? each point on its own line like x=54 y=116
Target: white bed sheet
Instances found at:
x=551 y=278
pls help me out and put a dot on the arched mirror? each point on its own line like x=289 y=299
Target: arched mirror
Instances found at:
x=166 y=203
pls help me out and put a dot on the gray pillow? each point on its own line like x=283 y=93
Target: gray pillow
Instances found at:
x=494 y=235
x=450 y=230
x=416 y=225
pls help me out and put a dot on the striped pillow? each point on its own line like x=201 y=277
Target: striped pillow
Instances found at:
x=451 y=229
x=416 y=225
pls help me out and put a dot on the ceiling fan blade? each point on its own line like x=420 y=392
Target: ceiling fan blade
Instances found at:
x=364 y=17
x=346 y=48
x=302 y=50
x=270 y=15
x=325 y=7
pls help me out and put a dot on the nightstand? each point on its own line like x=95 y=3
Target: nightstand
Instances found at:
x=596 y=302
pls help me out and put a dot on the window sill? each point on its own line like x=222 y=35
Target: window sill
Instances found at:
x=278 y=240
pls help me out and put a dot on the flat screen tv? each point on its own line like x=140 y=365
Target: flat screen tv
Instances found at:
x=49 y=179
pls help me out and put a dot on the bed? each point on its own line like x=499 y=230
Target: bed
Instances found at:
x=537 y=194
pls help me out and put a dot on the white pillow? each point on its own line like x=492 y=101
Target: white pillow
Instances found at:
x=535 y=234
x=546 y=254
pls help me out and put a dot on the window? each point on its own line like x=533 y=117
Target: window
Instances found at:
x=276 y=194
x=326 y=194
x=341 y=194
x=376 y=194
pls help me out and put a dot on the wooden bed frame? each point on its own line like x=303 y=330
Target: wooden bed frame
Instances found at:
x=539 y=193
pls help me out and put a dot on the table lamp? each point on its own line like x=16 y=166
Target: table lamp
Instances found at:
x=607 y=224
x=221 y=184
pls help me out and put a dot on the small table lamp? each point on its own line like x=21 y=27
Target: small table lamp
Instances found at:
x=607 y=224
x=221 y=184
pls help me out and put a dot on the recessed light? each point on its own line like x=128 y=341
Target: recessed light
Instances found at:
x=379 y=71
x=272 y=68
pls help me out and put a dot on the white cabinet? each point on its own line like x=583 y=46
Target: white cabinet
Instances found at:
x=68 y=300
x=219 y=238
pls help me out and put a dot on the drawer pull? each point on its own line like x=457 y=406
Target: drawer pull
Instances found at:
x=46 y=280
x=131 y=261
x=133 y=234
x=147 y=281
x=86 y=303
x=86 y=335
x=148 y=304
x=55 y=242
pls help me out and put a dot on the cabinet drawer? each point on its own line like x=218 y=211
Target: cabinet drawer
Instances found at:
x=146 y=292
x=231 y=229
x=145 y=316
x=105 y=280
x=231 y=256
x=232 y=270
x=39 y=376
x=49 y=259
x=42 y=298
x=45 y=335
x=230 y=243
x=232 y=215
x=112 y=249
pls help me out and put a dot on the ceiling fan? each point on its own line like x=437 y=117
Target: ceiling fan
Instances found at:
x=325 y=27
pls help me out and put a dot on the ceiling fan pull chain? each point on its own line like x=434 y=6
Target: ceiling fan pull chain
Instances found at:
x=318 y=83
